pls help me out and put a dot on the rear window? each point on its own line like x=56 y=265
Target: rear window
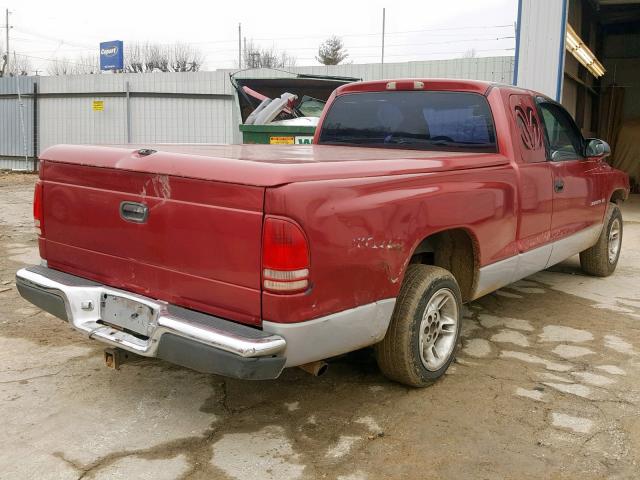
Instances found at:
x=452 y=121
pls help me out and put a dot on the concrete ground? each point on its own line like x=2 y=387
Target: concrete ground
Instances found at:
x=546 y=385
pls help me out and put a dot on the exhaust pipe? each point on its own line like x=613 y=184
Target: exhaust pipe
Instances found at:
x=316 y=369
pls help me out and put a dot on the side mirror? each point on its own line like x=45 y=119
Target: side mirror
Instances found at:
x=596 y=148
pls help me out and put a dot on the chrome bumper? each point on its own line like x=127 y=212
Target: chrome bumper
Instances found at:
x=78 y=301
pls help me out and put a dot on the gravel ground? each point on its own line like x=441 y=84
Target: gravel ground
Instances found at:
x=546 y=385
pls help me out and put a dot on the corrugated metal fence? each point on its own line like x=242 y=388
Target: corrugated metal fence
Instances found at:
x=16 y=123
x=37 y=112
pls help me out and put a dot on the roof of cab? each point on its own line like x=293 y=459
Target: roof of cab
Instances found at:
x=475 y=86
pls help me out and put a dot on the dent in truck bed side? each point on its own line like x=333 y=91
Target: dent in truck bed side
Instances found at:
x=363 y=234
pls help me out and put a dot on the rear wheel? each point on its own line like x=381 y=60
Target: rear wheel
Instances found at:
x=601 y=259
x=423 y=335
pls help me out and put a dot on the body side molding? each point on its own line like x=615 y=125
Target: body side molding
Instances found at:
x=502 y=273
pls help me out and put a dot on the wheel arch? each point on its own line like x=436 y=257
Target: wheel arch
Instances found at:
x=456 y=250
x=618 y=196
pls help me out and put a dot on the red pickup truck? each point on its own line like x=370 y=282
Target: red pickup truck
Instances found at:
x=241 y=260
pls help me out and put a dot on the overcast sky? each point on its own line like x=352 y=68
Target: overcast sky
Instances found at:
x=416 y=30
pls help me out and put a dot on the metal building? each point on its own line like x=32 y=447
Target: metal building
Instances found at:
x=586 y=55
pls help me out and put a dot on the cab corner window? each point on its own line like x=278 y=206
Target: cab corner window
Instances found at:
x=528 y=129
x=563 y=137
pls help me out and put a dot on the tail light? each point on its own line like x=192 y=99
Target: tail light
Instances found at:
x=38 y=217
x=285 y=257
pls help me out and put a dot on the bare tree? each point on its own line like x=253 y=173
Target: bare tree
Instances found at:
x=332 y=51
x=154 y=57
x=18 y=64
x=471 y=53
x=3 y=60
x=87 y=64
x=134 y=59
x=145 y=57
x=184 y=58
x=81 y=65
x=139 y=58
x=255 y=56
x=60 y=66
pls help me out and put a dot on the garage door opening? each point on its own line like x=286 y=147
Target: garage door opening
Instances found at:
x=601 y=87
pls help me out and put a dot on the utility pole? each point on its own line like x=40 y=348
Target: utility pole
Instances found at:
x=382 y=59
x=21 y=112
x=6 y=59
x=239 y=45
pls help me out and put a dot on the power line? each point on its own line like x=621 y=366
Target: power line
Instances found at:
x=414 y=44
x=220 y=60
x=52 y=39
x=56 y=60
x=306 y=37
x=457 y=32
x=357 y=47
x=399 y=32
x=86 y=47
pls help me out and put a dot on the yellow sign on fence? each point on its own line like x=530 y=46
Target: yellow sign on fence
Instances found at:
x=98 y=105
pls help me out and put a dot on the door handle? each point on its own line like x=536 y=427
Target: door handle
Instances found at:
x=558 y=185
x=134 y=212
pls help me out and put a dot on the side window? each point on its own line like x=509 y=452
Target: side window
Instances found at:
x=563 y=137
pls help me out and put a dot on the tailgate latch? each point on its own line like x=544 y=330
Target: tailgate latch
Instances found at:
x=134 y=212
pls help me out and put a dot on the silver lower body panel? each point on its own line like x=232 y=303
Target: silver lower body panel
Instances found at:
x=334 y=334
x=499 y=274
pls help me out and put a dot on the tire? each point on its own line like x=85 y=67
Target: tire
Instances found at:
x=399 y=353
x=601 y=259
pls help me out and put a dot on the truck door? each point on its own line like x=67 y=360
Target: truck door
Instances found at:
x=536 y=186
x=578 y=204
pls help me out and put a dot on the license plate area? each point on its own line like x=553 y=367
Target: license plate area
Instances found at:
x=126 y=313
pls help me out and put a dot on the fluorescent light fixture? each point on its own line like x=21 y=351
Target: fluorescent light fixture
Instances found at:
x=582 y=53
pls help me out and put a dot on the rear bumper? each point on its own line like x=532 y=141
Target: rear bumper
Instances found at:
x=195 y=340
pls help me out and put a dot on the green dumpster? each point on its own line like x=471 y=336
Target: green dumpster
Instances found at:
x=277 y=134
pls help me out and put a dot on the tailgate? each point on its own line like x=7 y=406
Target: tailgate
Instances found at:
x=198 y=247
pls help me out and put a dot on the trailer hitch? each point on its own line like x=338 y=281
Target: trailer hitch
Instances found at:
x=116 y=357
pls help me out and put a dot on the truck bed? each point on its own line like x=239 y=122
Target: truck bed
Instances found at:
x=200 y=247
